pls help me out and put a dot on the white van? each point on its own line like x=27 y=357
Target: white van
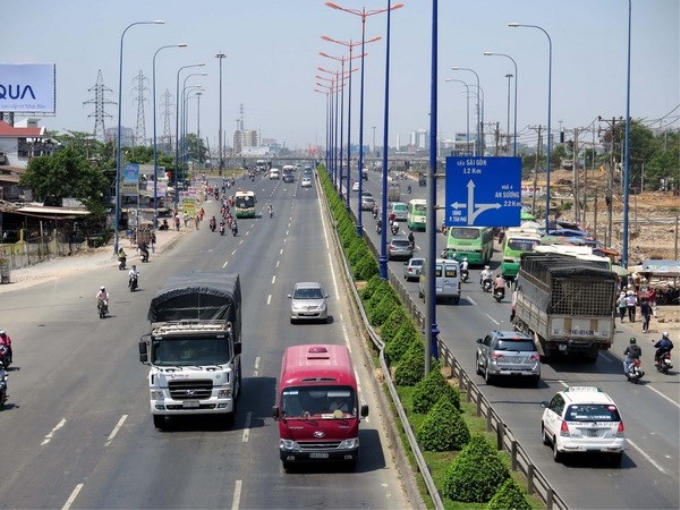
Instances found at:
x=447 y=284
x=274 y=173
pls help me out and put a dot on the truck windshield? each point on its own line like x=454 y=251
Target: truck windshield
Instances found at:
x=320 y=402
x=177 y=352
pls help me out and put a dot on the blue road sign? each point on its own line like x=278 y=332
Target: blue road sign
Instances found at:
x=483 y=191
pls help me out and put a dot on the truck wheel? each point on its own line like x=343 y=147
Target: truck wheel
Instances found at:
x=159 y=421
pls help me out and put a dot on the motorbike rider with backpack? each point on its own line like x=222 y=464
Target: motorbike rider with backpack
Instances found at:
x=662 y=347
x=632 y=352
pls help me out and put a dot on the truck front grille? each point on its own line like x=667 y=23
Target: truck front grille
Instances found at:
x=190 y=390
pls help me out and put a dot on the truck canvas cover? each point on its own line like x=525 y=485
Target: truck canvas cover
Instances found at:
x=203 y=296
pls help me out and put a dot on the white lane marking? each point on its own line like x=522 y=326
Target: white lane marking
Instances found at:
x=471 y=300
x=49 y=436
x=236 y=500
x=115 y=430
x=232 y=253
x=269 y=299
x=563 y=383
x=247 y=232
x=287 y=232
x=662 y=395
x=644 y=454
x=273 y=279
x=246 y=429
x=72 y=497
x=240 y=242
x=492 y=319
x=257 y=366
x=225 y=264
x=277 y=263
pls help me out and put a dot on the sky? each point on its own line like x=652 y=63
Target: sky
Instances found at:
x=272 y=59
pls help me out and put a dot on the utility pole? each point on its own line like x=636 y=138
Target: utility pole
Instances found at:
x=220 y=56
x=574 y=159
x=538 y=157
x=99 y=101
x=497 y=139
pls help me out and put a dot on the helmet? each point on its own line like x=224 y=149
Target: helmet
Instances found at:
x=632 y=340
x=665 y=334
x=102 y=287
x=2 y=332
x=464 y=258
x=486 y=267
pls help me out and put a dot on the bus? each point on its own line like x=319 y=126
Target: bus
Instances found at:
x=579 y=252
x=244 y=204
x=417 y=211
x=515 y=242
x=475 y=243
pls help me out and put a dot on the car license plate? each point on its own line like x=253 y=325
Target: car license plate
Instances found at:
x=563 y=347
x=592 y=433
x=190 y=404
x=317 y=455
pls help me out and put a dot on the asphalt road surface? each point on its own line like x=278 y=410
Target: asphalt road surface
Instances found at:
x=77 y=431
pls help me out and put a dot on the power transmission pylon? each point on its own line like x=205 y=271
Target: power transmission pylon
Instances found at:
x=166 y=144
x=99 y=102
x=140 y=130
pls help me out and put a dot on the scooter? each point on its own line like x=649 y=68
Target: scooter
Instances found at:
x=102 y=308
x=499 y=294
x=145 y=255
x=4 y=376
x=394 y=227
x=221 y=229
x=121 y=263
x=132 y=283
x=464 y=275
x=378 y=226
x=4 y=356
x=486 y=285
x=663 y=364
x=635 y=373
x=234 y=229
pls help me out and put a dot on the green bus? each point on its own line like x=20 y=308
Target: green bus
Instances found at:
x=515 y=242
x=475 y=243
x=417 y=211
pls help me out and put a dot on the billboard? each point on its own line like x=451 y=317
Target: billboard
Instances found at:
x=28 y=88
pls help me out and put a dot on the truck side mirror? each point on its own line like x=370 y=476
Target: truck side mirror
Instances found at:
x=143 y=354
x=237 y=348
x=275 y=412
x=364 y=411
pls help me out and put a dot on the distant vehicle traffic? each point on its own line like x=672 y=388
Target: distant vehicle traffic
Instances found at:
x=447 y=281
x=508 y=354
x=413 y=269
x=244 y=204
x=417 y=211
x=306 y=182
x=475 y=243
x=308 y=302
x=274 y=173
x=399 y=248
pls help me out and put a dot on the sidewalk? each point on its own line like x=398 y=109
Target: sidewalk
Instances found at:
x=86 y=261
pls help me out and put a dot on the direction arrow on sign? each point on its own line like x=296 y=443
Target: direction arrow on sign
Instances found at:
x=483 y=191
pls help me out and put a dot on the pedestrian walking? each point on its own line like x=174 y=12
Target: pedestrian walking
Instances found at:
x=152 y=241
x=631 y=301
x=622 y=304
x=197 y=220
x=645 y=314
x=186 y=220
x=177 y=222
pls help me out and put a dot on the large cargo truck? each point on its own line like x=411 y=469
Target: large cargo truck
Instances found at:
x=565 y=304
x=194 y=347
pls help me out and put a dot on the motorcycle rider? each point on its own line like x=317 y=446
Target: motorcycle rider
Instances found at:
x=270 y=210
x=234 y=227
x=102 y=297
x=408 y=189
x=7 y=342
x=499 y=285
x=375 y=211
x=378 y=226
x=662 y=347
x=133 y=274
x=221 y=227
x=485 y=276
x=122 y=257
x=632 y=352
x=464 y=268
x=144 y=250
x=411 y=240
x=213 y=223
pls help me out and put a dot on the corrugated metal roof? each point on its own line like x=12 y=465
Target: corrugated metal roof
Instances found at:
x=51 y=210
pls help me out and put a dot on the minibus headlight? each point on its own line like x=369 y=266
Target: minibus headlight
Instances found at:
x=224 y=393
x=288 y=445
x=349 y=444
x=156 y=395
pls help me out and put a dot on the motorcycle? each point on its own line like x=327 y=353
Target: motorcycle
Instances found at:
x=663 y=364
x=394 y=227
x=3 y=385
x=145 y=255
x=234 y=229
x=635 y=372
x=102 y=308
x=444 y=228
x=221 y=229
x=132 y=283
x=408 y=190
x=486 y=285
x=213 y=225
x=4 y=356
x=121 y=263
x=271 y=213
x=378 y=227
x=464 y=275
x=499 y=294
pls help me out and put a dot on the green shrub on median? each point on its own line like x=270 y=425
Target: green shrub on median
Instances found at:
x=509 y=496
x=406 y=336
x=366 y=268
x=444 y=428
x=381 y=311
x=411 y=368
x=391 y=326
x=428 y=391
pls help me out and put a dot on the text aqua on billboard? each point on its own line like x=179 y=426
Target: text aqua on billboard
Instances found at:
x=28 y=88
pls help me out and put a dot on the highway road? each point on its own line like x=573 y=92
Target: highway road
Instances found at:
x=77 y=430
x=649 y=475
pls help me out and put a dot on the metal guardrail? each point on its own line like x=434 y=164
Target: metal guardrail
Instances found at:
x=520 y=461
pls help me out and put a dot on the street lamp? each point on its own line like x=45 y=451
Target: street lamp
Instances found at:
x=509 y=76
x=626 y=163
x=549 y=148
x=120 y=101
x=363 y=14
x=514 y=137
x=351 y=46
x=334 y=104
x=221 y=56
x=467 y=89
x=177 y=101
x=479 y=145
x=155 y=146
x=184 y=115
x=328 y=124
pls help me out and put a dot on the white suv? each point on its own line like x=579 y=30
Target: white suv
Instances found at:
x=583 y=419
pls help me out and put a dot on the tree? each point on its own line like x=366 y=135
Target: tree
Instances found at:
x=65 y=174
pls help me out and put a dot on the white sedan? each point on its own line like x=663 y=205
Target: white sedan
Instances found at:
x=306 y=182
x=355 y=186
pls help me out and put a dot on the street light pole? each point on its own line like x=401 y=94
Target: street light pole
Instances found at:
x=220 y=56
x=363 y=14
x=155 y=145
x=116 y=220
x=549 y=148
x=185 y=120
x=467 y=97
x=479 y=145
x=177 y=136
x=507 y=129
x=514 y=136
x=626 y=163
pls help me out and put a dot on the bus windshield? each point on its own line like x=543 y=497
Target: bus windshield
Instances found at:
x=519 y=244
x=245 y=201
x=419 y=208
x=464 y=233
x=320 y=402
